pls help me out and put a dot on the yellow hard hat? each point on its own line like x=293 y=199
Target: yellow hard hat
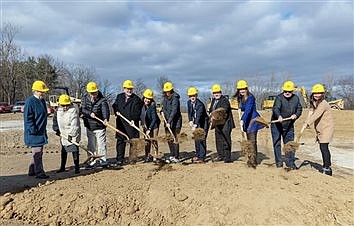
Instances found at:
x=167 y=87
x=39 y=86
x=128 y=84
x=288 y=86
x=92 y=87
x=192 y=91
x=148 y=94
x=64 y=99
x=318 y=88
x=241 y=84
x=216 y=88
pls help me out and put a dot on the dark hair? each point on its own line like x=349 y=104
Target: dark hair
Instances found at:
x=313 y=101
x=240 y=98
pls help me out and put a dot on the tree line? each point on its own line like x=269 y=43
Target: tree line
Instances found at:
x=19 y=71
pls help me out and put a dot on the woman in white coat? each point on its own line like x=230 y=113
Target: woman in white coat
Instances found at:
x=66 y=124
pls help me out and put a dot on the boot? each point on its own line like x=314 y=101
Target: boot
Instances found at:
x=64 y=156
x=76 y=162
x=327 y=171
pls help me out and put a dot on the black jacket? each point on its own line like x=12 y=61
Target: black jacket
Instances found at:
x=198 y=114
x=223 y=102
x=285 y=107
x=172 y=111
x=130 y=109
x=99 y=107
x=151 y=119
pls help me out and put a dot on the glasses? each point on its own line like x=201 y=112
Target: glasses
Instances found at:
x=288 y=91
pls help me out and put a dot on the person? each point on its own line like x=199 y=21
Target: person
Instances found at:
x=247 y=104
x=95 y=105
x=286 y=104
x=150 y=122
x=35 y=132
x=172 y=113
x=322 y=118
x=223 y=131
x=66 y=124
x=129 y=105
x=198 y=118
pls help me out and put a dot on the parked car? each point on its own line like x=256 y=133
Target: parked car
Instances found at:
x=17 y=106
x=5 y=107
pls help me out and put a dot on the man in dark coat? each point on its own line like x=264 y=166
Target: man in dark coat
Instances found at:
x=172 y=113
x=286 y=105
x=223 y=131
x=94 y=104
x=198 y=118
x=128 y=105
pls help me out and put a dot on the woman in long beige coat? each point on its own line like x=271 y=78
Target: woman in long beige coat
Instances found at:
x=322 y=119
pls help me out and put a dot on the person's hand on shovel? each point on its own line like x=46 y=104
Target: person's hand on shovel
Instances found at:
x=92 y=115
x=293 y=117
x=132 y=123
x=280 y=119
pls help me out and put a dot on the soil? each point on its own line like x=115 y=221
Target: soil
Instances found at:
x=212 y=193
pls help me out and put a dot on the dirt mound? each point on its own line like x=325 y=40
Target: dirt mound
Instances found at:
x=214 y=194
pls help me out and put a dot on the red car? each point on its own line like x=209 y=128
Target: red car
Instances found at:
x=5 y=107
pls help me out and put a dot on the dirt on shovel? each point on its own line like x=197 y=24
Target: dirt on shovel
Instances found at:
x=137 y=147
x=198 y=134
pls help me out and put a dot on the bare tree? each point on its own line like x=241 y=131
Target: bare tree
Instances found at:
x=160 y=81
x=345 y=90
x=139 y=87
x=11 y=55
x=108 y=91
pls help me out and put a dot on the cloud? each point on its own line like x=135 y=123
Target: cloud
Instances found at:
x=197 y=42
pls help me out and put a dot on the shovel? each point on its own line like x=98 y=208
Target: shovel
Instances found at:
x=112 y=127
x=147 y=137
x=91 y=156
x=260 y=120
x=168 y=127
x=246 y=145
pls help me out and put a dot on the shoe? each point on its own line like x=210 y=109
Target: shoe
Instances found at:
x=77 y=171
x=327 y=171
x=174 y=160
x=198 y=160
x=279 y=165
x=104 y=164
x=227 y=161
x=148 y=159
x=31 y=174
x=117 y=163
x=219 y=159
x=42 y=176
x=61 y=170
x=88 y=167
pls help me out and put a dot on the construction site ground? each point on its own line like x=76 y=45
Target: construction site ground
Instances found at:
x=213 y=193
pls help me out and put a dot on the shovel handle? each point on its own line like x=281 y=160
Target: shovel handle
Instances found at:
x=112 y=127
x=134 y=126
x=284 y=119
x=242 y=132
x=77 y=144
x=168 y=127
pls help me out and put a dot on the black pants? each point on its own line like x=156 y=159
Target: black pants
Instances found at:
x=253 y=138
x=326 y=155
x=223 y=142
x=64 y=156
x=121 y=141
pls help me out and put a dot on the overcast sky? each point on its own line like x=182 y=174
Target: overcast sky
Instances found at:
x=194 y=43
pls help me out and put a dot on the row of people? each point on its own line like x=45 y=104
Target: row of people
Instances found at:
x=135 y=109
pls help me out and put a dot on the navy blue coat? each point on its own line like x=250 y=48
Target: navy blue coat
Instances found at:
x=172 y=110
x=152 y=120
x=250 y=112
x=285 y=107
x=198 y=115
x=35 y=122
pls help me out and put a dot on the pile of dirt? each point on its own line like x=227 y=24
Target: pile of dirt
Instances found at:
x=196 y=195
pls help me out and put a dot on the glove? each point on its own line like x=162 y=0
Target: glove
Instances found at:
x=105 y=122
x=191 y=123
x=131 y=123
x=70 y=138
x=92 y=115
x=280 y=119
x=57 y=132
x=293 y=117
x=168 y=125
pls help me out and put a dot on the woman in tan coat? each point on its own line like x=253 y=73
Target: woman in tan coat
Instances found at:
x=323 y=122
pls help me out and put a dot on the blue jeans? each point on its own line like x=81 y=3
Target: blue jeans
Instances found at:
x=287 y=134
